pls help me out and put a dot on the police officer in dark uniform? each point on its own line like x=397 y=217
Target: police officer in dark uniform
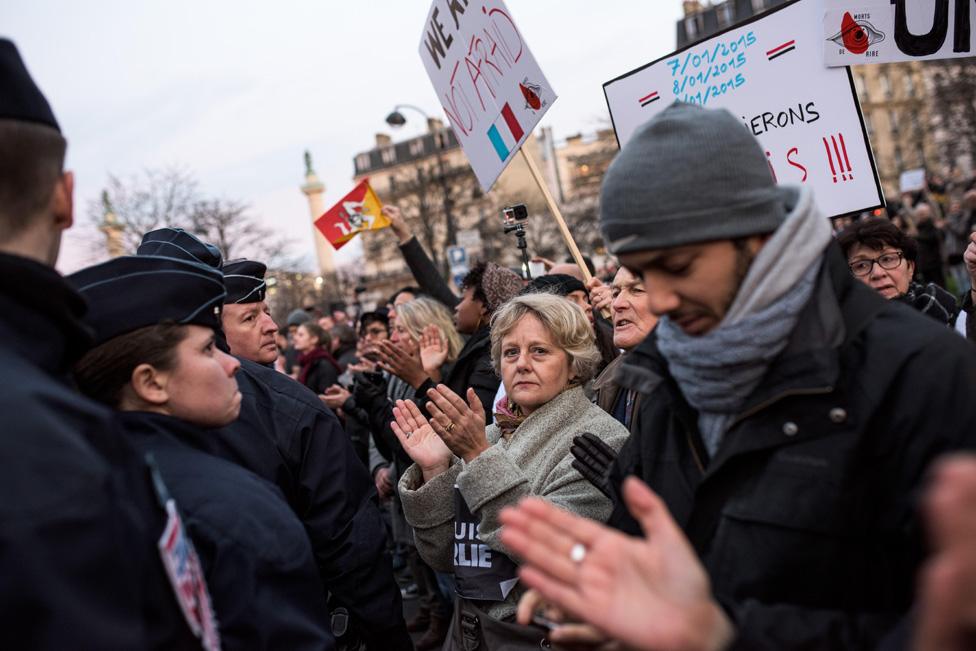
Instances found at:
x=286 y=435
x=156 y=361
x=79 y=521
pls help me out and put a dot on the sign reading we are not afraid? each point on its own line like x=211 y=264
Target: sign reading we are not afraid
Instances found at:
x=486 y=79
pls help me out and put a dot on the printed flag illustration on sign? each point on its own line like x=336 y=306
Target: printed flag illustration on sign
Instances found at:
x=358 y=211
x=505 y=133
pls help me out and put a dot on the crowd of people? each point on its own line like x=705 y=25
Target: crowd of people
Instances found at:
x=754 y=432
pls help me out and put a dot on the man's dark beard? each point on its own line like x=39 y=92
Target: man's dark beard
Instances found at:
x=743 y=260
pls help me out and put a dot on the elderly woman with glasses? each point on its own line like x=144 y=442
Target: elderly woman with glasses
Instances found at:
x=884 y=258
x=464 y=473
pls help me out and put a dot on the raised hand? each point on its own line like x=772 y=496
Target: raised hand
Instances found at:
x=461 y=425
x=419 y=441
x=397 y=223
x=601 y=295
x=651 y=593
x=433 y=351
x=405 y=364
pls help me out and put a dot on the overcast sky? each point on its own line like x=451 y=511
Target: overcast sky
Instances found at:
x=236 y=91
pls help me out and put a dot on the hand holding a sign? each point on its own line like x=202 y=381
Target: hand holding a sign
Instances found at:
x=419 y=440
x=461 y=425
x=649 y=593
x=433 y=351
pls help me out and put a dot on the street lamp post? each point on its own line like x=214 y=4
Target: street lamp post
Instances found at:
x=396 y=120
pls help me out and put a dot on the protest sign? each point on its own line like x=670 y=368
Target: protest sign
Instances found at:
x=911 y=180
x=883 y=31
x=486 y=79
x=769 y=73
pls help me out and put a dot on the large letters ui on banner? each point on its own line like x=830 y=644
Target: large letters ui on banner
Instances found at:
x=486 y=79
x=769 y=73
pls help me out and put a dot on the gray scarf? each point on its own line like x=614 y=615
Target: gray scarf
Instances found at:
x=717 y=371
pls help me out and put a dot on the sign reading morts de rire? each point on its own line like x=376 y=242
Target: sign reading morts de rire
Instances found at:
x=769 y=73
x=486 y=79
x=883 y=31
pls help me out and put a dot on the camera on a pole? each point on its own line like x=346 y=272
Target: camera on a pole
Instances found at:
x=513 y=220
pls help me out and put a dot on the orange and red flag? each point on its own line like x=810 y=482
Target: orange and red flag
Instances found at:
x=358 y=211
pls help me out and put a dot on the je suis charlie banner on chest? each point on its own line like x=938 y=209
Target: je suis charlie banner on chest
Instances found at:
x=486 y=79
x=769 y=72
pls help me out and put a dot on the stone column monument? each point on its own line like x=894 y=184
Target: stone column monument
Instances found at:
x=315 y=190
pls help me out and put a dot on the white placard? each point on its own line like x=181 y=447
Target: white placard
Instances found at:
x=469 y=238
x=882 y=31
x=911 y=180
x=487 y=81
x=769 y=73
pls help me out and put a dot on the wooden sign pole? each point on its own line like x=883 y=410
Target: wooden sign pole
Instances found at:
x=554 y=209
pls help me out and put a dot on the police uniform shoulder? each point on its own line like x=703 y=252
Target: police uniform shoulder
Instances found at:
x=282 y=385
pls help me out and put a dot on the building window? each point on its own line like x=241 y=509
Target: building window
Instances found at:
x=362 y=162
x=921 y=155
x=893 y=121
x=388 y=155
x=758 y=5
x=417 y=147
x=725 y=14
x=898 y=159
x=869 y=125
x=885 y=84
x=861 y=87
x=909 y=86
x=691 y=27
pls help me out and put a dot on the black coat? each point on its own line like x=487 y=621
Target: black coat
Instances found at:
x=287 y=436
x=805 y=519
x=321 y=375
x=257 y=559
x=472 y=369
x=79 y=521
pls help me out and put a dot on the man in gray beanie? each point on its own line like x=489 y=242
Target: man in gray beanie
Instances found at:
x=788 y=412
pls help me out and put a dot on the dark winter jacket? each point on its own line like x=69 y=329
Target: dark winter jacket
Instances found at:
x=612 y=399
x=287 y=436
x=426 y=274
x=319 y=370
x=255 y=554
x=806 y=519
x=79 y=521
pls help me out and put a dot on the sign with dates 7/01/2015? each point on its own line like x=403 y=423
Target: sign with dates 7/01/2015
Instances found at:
x=769 y=73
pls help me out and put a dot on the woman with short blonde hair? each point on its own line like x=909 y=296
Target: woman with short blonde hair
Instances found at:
x=416 y=315
x=566 y=323
x=465 y=473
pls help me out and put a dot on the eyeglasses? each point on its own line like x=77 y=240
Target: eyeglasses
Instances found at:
x=863 y=266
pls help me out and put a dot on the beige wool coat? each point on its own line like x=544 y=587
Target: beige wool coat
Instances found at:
x=534 y=460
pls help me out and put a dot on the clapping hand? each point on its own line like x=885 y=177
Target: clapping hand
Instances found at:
x=334 y=397
x=969 y=257
x=433 y=351
x=649 y=593
x=461 y=425
x=419 y=440
x=404 y=363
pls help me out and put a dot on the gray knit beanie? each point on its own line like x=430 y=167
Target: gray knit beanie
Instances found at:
x=688 y=175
